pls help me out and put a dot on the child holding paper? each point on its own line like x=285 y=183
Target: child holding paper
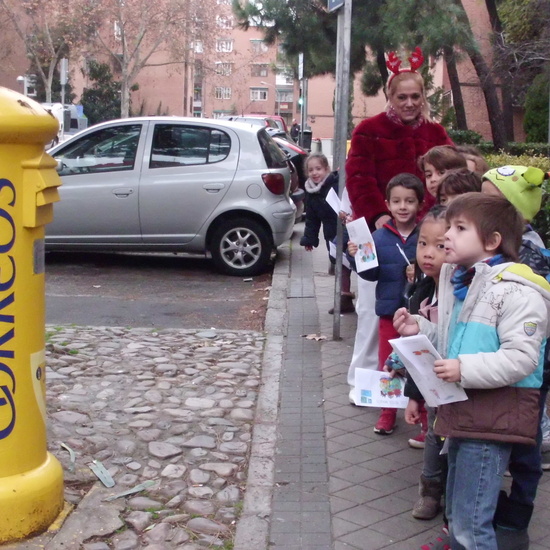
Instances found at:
x=492 y=321
x=318 y=212
x=396 y=246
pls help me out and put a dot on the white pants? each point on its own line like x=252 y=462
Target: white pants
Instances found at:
x=365 y=349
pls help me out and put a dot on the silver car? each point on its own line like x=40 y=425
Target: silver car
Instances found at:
x=157 y=184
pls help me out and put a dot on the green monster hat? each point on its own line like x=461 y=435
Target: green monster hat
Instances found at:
x=521 y=185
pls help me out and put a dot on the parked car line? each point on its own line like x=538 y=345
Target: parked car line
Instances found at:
x=174 y=184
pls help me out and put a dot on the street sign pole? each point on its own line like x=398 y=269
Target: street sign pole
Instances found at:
x=303 y=106
x=340 y=137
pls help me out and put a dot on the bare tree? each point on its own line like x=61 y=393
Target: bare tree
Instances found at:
x=49 y=29
x=144 y=33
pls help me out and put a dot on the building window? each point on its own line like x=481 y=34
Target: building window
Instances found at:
x=118 y=31
x=224 y=69
x=285 y=96
x=223 y=92
x=224 y=45
x=258 y=46
x=285 y=76
x=258 y=94
x=259 y=69
x=224 y=22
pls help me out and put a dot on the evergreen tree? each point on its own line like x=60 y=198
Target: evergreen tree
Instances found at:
x=440 y=27
x=101 y=101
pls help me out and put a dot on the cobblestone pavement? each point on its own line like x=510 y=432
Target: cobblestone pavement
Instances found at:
x=173 y=406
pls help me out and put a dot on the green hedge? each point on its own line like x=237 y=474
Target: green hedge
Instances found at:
x=465 y=137
x=469 y=137
x=494 y=160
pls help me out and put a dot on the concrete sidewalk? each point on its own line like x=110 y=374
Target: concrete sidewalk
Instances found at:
x=335 y=483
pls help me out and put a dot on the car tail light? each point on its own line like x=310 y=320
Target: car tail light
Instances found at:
x=275 y=183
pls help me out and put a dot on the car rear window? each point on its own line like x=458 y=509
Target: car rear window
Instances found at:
x=180 y=145
x=274 y=157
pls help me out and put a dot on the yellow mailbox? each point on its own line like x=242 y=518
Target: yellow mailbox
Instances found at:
x=31 y=479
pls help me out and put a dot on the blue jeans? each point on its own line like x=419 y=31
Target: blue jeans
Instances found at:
x=476 y=468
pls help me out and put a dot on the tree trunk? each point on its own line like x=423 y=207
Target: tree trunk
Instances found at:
x=458 y=101
x=124 y=99
x=49 y=80
x=508 y=111
x=487 y=85
x=381 y=62
x=491 y=99
x=507 y=103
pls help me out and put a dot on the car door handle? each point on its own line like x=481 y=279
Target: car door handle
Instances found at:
x=123 y=192
x=213 y=187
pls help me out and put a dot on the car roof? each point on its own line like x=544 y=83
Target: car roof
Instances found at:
x=171 y=119
x=246 y=129
x=272 y=122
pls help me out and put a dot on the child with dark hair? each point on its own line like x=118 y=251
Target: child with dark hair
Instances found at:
x=474 y=159
x=455 y=183
x=436 y=162
x=491 y=327
x=395 y=246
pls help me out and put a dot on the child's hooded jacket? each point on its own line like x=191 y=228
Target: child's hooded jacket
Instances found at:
x=498 y=336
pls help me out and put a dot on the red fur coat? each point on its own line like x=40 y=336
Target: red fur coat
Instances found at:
x=381 y=149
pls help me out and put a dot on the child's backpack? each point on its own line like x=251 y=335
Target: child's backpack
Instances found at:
x=537 y=258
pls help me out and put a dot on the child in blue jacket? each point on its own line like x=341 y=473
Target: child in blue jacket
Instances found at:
x=395 y=246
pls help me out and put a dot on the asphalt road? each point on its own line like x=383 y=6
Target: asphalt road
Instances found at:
x=150 y=290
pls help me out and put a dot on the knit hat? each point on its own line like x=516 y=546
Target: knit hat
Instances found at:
x=521 y=185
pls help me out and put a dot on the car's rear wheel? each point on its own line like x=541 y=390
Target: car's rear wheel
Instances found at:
x=241 y=247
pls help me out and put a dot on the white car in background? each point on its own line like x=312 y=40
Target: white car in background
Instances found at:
x=174 y=184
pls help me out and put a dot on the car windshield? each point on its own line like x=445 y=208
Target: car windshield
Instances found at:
x=110 y=149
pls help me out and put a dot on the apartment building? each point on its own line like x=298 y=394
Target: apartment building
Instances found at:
x=238 y=73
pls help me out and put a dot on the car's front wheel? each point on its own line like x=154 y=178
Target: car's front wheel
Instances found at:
x=241 y=247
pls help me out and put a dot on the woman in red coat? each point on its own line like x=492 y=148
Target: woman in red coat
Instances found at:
x=382 y=147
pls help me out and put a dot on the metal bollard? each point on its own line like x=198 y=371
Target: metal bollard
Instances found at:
x=31 y=479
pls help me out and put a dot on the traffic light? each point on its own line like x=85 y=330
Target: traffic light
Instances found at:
x=300 y=99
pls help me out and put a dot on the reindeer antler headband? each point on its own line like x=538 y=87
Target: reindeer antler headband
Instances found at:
x=394 y=63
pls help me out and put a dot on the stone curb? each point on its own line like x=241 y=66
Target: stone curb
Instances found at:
x=253 y=526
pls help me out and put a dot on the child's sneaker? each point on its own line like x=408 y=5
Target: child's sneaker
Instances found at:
x=511 y=539
x=386 y=422
x=418 y=442
x=441 y=543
